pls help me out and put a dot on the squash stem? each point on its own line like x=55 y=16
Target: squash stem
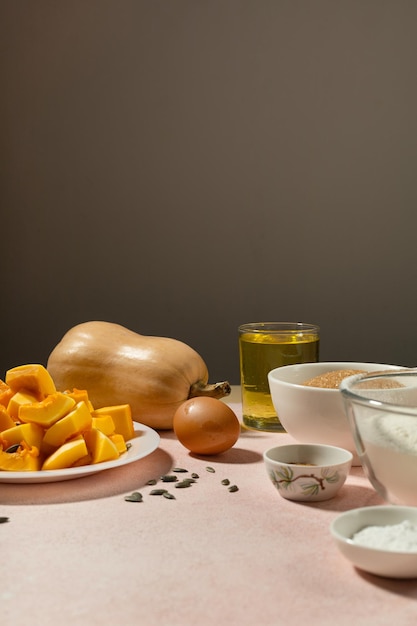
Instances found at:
x=216 y=390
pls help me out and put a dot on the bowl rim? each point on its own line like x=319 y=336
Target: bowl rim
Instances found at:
x=377 y=509
x=317 y=365
x=322 y=446
x=382 y=405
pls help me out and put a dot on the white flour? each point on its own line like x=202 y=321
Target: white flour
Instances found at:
x=396 y=431
x=390 y=445
x=396 y=538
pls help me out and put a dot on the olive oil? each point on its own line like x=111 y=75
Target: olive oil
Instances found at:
x=263 y=351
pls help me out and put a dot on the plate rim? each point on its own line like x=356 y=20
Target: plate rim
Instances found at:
x=69 y=473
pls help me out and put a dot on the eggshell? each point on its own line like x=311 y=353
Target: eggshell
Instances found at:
x=206 y=426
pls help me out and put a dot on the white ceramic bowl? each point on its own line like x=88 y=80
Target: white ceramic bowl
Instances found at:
x=307 y=472
x=382 y=412
x=313 y=414
x=379 y=561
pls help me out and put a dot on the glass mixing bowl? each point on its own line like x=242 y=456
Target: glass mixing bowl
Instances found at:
x=381 y=408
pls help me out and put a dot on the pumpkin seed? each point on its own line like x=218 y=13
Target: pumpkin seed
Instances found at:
x=3 y=520
x=179 y=469
x=134 y=497
x=233 y=488
x=183 y=484
x=187 y=482
x=225 y=481
x=14 y=448
x=210 y=469
x=168 y=495
x=158 y=492
x=152 y=481
x=169 y=478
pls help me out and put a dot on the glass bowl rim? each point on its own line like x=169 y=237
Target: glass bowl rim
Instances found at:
x=355 y=398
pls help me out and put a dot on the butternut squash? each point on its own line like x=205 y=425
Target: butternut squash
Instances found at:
x=154 y=375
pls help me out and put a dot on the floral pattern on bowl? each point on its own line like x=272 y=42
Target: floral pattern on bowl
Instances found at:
x=285 y=478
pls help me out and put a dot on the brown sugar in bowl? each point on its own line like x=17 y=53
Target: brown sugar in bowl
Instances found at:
x=331 y=379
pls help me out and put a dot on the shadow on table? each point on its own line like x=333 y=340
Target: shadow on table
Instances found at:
x=405 y=587
x=349 y=497
x=235 y=455
x=123 y=479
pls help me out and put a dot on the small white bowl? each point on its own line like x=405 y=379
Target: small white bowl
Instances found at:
x=307 y=472
x=315 y=414
x=381 y=562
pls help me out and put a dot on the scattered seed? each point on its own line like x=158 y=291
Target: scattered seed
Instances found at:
x=183 y=484
x=187 y=482
x=128 y=445
x=168 y=495
x=14 y=448
x=169 y=478
x=134 y=497
x=3 y=520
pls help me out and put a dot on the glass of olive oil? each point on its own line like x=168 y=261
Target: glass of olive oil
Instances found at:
x=263 y=346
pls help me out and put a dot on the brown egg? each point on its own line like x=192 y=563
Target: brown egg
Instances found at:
x=206 y=425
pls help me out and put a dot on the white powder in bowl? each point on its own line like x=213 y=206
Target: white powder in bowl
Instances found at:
x=391 y=431
x=396 y=538
x=389 y=445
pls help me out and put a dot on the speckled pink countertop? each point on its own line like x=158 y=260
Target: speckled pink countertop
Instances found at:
x=76 y=553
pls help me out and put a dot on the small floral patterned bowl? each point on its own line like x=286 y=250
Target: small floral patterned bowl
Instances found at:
x=308 y=472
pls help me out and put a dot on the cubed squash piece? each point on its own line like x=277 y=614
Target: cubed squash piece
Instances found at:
x=100 y=447
x=79 y=395
x=33 y=377
x=31 y=434
x=74 y=423
x=24 y=460
x=84 y=460
x=5 y=419
x=66 y=455
x=119 y=442
x=6 y=393
x=19 y=399
x=104 y=423
x=47 y=411
x=122 y=418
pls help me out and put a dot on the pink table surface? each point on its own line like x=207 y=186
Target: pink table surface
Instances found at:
x=76 y=553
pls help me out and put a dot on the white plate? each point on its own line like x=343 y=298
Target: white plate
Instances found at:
x=145 y=441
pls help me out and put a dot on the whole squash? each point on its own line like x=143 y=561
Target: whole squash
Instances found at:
x=118 y=366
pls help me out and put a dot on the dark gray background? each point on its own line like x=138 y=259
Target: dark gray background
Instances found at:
x=181 y=167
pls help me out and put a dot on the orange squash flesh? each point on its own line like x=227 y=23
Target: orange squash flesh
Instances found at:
x=33 y=377
x=58 y=430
